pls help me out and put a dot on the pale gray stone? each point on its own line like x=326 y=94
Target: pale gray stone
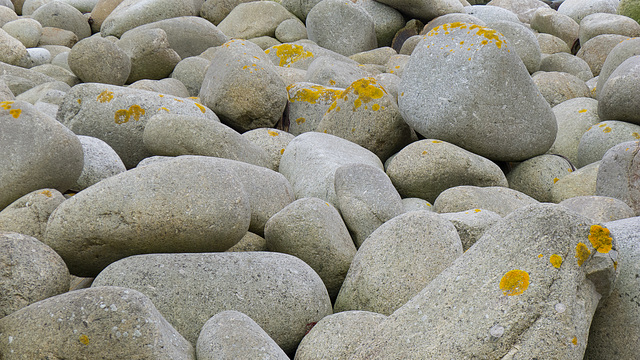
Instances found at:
x=278 y=291
x=328 y=71
x=215 y=10
x=127 y=14
x=27 y=31
x=603 y=136
x=536 y=176
x=472 y=224
x=425 y=10
x=150 y=53
x=118 y=115
x=495 y=131
x=57 y=36
x=191 y=71
x=428 y=167
x=13 y=51
x=272 y=141
x=579 y=9
x=386 y=20
x=102 y=322
x=39 y=152
x=581 y=182
x=169 y=206
x=619 y=99
x=557 y=87
x=344 y=27
x=574 y=116
x=567 y=63
x=599 y=209
x=337 y=335
x=491 y=14
x=607 y=23
x=167 y=86
x=290 y=30
x=366 y=198
x=416 y=204
x=523 y=8
x=618 y=174
x=515 y=298
x=311 y=159
x=596 y=50
x=397 y=260
x=549 y=21
x=58 y=72
x=29 y=214
x=32 y=271
x=249 y=242
x=242 y=87
x=100 y=162
x=99 y=60
x=233 y=335
x=551 y=44
x=523 y=40
x=500 y=200
x=617 y=56
x=61 y=15
x=253 y=19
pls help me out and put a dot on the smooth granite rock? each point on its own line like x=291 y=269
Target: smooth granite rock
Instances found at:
x=115 y=64
x=619 y=98
x=100 y=162
x=500 y=200
x=618 y=174
x=29 y=214
x=575 y=117
x=602 y=136
x=472 y=224
x=536 y=176
x=128 y=15
x=581 y=182
x=599 y=208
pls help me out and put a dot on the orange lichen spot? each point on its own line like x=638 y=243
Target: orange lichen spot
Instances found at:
x=105 y=96
x=615 y=265
x=281 y=151
x=602 y=125
x=201 y=107
x=514 y=282
x=84 y=339
x=606 y=130
x=469 y=59
x=582 y=111
x=333 y=106
x=461 y=42
x=574 y=341
x=15 y=113
x=556 y=260
x=245 y=67
x=424 y=152
x=178 y=100
x=121 y=116
x=570 y=170
x=555 y=180
x=315 y=93
x=397 y=67
x=367 y=89
x=375 y=107
x=636 y=135
x=325 y=131
x=300 y=120
x=477 y=210
x=539 y=256
x=600 y=239
x=193 y=98
x=332 y=82
x=136 y=111
x=160 y=95
x=338 y=108
x=402 y=94
x=46 y=193
x=353 y=129
x=484 y=42
x=163 y=108
x=6 y=104
x=272 y=133
x=582 y=253
x=79 y=101
x=436 y=141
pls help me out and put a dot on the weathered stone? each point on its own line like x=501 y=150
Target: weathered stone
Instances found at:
x=191 y=71
x=557 y=87
x=111 y=322
x=253 y=19
x=491 y=14
x=619 y=99
x=100 y=162
x=581 y=182
x=523 y=8
x=536 y=176
x=249 y=242
x=29 y=214
x=279 y=292
x=596 y=50
x=519 y=285
x=114 y=63
x=386 y=20
x=366 y=198
x=599 y=208
x=549 y=21
x=272 y=141
x=579 y=9
x=472 y=224
x=168 y=206
x=428 y=167
x=603 y=136
x=416 y=204
x=618 y=174
x=118 y=115
x=523 y=40
x=127 y=14
x=39 y=152
x=567 y=63
x=551 y=44
x=397 y=261
x=331 y=72
x=574 y=116
x=167 y=86
x=500 y=200
x=215 y=10
x=617 y=56
x=312 y=230
x=61 y=15
x=242 y=87
x=27 y=31
x=493 y=121
x=425 y=11
x=233 y=335
x=150 y=53
x=100 y=11
x=607 y=23
x=32 y=271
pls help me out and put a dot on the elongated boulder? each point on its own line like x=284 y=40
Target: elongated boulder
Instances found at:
x=279 y=292
x=98 y=323
x=527 y=289
x=133 y=13
x=188 y=204
x=118 y=115
x=479 y=94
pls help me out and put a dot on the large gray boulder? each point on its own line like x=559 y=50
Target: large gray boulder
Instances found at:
x=29 y=214
x=534 y=278
x=169 y=206
x=618 y=174
x=498 y=111
x=39 y=152
x=133 y=13
x=498 y=199
x=98 y=323
x=279 y=292
x=99 y=60
x=33 y=272
x=619 y=99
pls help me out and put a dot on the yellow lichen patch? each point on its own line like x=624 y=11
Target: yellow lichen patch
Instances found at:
x=539 y=256
x=281 y=151
x=556 y=260
x=477 y=210
x=555 y=180
x=582 y=253
x=636 y=135
x=84 y=339
x=574 y=341
x=105 y=96
x=606 y=130
x=600 y=239
x=436 y=141
x=160 y=95
x=615 y=265
x=163 y=108
x=514 y=282
x=79 y=101
x=46 y=193
x=315 y=93
x=193 y=98
x=332 y=82
x=136 y=111
x=272 y=133
x=582 y=111
x=178 y=100
x=375 y=107
x=570 y=170
x=602 y=125
x=300 y=120
x=367 y=89
x=122 y=116
x=424 y=152
x=15 y=113
x=6 y=104
x=291 y=53
x=201 y=107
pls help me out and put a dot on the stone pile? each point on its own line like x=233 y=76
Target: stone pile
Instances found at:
x=392 y=179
